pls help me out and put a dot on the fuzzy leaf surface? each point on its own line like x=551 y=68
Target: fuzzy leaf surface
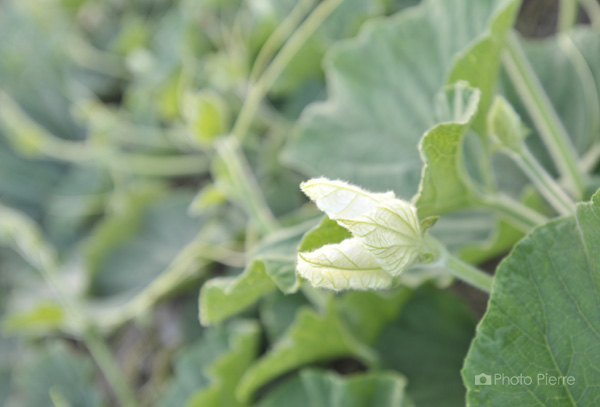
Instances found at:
x=543 y=318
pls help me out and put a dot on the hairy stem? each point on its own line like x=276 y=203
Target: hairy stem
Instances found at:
x=591 y=158
x=187 y=265
x=279 y=63
x=469 y=274
x=592 y=9
x=543 y=114
x=519 y=215
x=545 y=184
x=101 y=353
x=279 y=36
x=587 y=82
x=229 y=149
x=244 y=184
x=567 y=14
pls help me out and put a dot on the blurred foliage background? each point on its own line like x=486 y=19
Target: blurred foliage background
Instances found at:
x=134 y=136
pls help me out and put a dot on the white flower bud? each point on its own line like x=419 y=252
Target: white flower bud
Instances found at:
x=384 y=227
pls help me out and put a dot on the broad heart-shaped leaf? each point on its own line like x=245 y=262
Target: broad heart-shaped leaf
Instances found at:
x=207 y=373
x=312 y=338
x=273 y=265
x=543 y=319
x=368 y=130
x=317 y=388
x=445 y=185
x=427 y=344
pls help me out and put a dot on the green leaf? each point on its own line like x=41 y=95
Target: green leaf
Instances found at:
x=504 y=125
x=368 y=312
x=277 y=312
x=382 y=389
x=326 y=232
x=152 y=240
x=206 y=374
x=367 y=131
x=56 y=370
x=312 y=338
x=445 y=185
x=43 y=317
x=120 y=224
x=223 y=297
x=207 y=115
x=208 y=197
x=273 y=265
x=427 y=344
x=543 y=318
x=319 y=388
x=290 y=393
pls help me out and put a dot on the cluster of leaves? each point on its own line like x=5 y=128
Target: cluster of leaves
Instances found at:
x=153 y=149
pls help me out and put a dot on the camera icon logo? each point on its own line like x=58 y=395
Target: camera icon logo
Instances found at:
x=483 y=379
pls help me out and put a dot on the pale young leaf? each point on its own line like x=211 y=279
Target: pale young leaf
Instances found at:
x=391 y=232
x=340 y=200
x=347 y=265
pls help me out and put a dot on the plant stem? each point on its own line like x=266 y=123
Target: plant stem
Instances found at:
x=591 y=158
x=104 y=358
x=185 y=266
x=244 y=183
x=543 y=114
x=96 y=345
x=587 y=82
x=279 y=36
x=592 y=9
x=545 y=184
x=515 y=212
x=279 y=63
x=165 y=165
x=567 y=14
x=229 y=149
x=469 y=274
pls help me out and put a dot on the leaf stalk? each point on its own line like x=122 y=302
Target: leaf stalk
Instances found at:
x=544 y=116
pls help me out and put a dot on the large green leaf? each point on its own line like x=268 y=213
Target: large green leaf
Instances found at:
x=368 y=130
x=368 y=312
x=318 y=388
x=272 y=265
x=543 y=319
x=427 y=344
x=277 y=312
x=312 y=338
x=206 y=374
x=381 y=389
